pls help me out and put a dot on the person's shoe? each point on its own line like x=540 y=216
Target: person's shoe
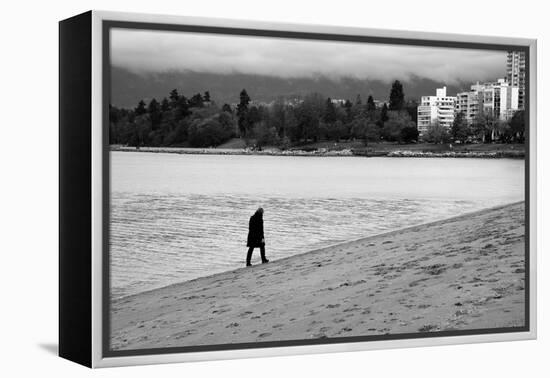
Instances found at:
x=265 y=261
x=248 y=264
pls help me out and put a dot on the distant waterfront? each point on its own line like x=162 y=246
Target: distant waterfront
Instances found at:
x=490 y=151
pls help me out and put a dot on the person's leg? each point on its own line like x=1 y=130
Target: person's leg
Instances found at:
x=249 y=255
x=262 y=252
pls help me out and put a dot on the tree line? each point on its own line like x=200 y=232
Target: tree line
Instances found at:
x=174 y=121
x=198 y=121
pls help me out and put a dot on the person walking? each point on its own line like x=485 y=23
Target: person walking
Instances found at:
x=256 y=236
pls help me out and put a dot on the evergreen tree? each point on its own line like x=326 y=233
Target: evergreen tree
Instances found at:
x=242 y=112
x=397 y=97
x=140 y=109
x=358 y=100
x=174 y=97
x=206 y=96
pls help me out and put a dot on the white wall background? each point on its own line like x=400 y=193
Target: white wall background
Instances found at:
x=28 y=198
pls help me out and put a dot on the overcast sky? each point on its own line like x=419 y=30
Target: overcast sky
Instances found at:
x=154 y=51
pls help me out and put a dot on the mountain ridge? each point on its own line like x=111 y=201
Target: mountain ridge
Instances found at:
x=128 y=88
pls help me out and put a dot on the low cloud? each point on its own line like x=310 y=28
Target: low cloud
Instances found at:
x=158 y=51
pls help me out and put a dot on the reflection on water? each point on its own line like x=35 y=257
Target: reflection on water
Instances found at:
x=179 y=217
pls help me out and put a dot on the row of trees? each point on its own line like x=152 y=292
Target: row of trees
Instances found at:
x=175 y=121
x=318 y=118
x=198 y=121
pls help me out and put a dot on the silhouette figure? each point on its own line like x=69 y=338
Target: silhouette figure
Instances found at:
x=256 y=236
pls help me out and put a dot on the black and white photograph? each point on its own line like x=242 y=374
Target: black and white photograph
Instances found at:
x=268 y=189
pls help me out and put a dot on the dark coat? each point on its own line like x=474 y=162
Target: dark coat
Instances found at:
x=255 y=231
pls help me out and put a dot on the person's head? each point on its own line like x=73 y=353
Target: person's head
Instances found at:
x=260 y=211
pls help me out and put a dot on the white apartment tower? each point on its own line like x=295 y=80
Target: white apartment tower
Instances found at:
x=436 y=109
x=515 y=72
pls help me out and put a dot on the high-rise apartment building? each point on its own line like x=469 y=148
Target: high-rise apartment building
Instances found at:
x=515 y=72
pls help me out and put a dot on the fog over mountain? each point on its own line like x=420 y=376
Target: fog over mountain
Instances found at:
x=128 y=88
x=149 y=64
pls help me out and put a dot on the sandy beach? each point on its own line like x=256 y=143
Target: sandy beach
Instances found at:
x=461 y=273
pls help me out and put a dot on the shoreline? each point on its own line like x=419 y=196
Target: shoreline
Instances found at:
x=325 y=152
x=343 y=277
x=341 y=244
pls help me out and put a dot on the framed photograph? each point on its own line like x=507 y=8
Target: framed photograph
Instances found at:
x=232 y=189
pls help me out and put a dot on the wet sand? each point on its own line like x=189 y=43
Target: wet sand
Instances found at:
x=458 y=274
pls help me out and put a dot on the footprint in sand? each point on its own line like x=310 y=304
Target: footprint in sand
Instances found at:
x=354 y=308
x=183 y=334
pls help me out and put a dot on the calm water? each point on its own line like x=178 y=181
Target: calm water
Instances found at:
x=178 y=217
